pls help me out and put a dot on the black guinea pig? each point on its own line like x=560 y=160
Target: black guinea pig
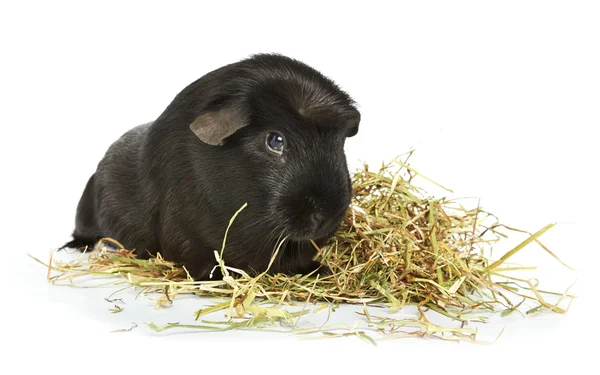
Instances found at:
x=268 y=131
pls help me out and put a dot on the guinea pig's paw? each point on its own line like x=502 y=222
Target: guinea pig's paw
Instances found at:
x=108 y=246
x=77 y=244
x=324 y=271
x=321 y=269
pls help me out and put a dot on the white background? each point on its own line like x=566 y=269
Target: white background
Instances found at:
x=500 y=101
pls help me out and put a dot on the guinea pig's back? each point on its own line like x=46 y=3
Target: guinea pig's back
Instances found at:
x=123 y=157
x=125 y=200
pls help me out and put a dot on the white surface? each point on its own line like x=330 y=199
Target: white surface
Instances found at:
x=500 y=101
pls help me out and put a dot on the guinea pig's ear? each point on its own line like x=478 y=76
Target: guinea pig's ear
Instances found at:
x=213 y=127
x=353 y=124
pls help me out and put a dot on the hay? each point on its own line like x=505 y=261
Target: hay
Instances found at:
x=396 y=247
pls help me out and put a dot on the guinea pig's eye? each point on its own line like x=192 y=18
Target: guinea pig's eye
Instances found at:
x=275 y=142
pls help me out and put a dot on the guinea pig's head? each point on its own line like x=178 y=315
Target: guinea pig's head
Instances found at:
x=277 y=128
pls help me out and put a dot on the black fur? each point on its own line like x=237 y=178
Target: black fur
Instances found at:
x=159 y=188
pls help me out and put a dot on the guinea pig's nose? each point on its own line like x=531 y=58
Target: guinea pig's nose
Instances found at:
x=318 y=219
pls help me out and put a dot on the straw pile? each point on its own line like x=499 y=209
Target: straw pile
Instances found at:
x=396 y=247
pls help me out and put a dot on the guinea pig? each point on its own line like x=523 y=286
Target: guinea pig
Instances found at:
x=267 y=131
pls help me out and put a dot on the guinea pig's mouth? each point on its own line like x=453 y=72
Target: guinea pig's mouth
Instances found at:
x=315 y=229
x=312 y=218
x=304 y=236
